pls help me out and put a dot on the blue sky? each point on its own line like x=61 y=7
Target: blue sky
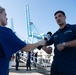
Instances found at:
x=41 y=14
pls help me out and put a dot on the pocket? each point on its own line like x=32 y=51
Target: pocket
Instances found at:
x=69 y=36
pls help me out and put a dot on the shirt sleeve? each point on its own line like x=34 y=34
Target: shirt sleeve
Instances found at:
x=50 y=42
x=10 y=42
x=74 y=30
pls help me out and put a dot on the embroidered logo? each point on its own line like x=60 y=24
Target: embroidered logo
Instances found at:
x=55 y=36
x=67 y=31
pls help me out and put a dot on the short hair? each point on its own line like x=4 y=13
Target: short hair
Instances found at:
x=1 y=9
x=59 y=11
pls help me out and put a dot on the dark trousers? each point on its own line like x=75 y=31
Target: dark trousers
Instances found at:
x=54 y=71
x=29 y=68
x=17 y=65
x=63 y=73
x=28 y=65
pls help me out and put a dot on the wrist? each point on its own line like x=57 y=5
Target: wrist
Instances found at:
x=64 y=44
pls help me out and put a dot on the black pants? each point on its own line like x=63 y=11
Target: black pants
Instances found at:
x=54 y=71
x=28 y=65
x=17 y=65
x=63 y=73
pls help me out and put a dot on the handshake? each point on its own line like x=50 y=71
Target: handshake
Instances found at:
x=45 y=38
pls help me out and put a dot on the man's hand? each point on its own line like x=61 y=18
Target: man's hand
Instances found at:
x=60 y=47
x=47 y=50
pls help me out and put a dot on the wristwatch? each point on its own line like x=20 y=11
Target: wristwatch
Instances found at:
x=64 y=44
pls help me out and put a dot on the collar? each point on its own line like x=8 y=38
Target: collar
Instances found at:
x=66 y=26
